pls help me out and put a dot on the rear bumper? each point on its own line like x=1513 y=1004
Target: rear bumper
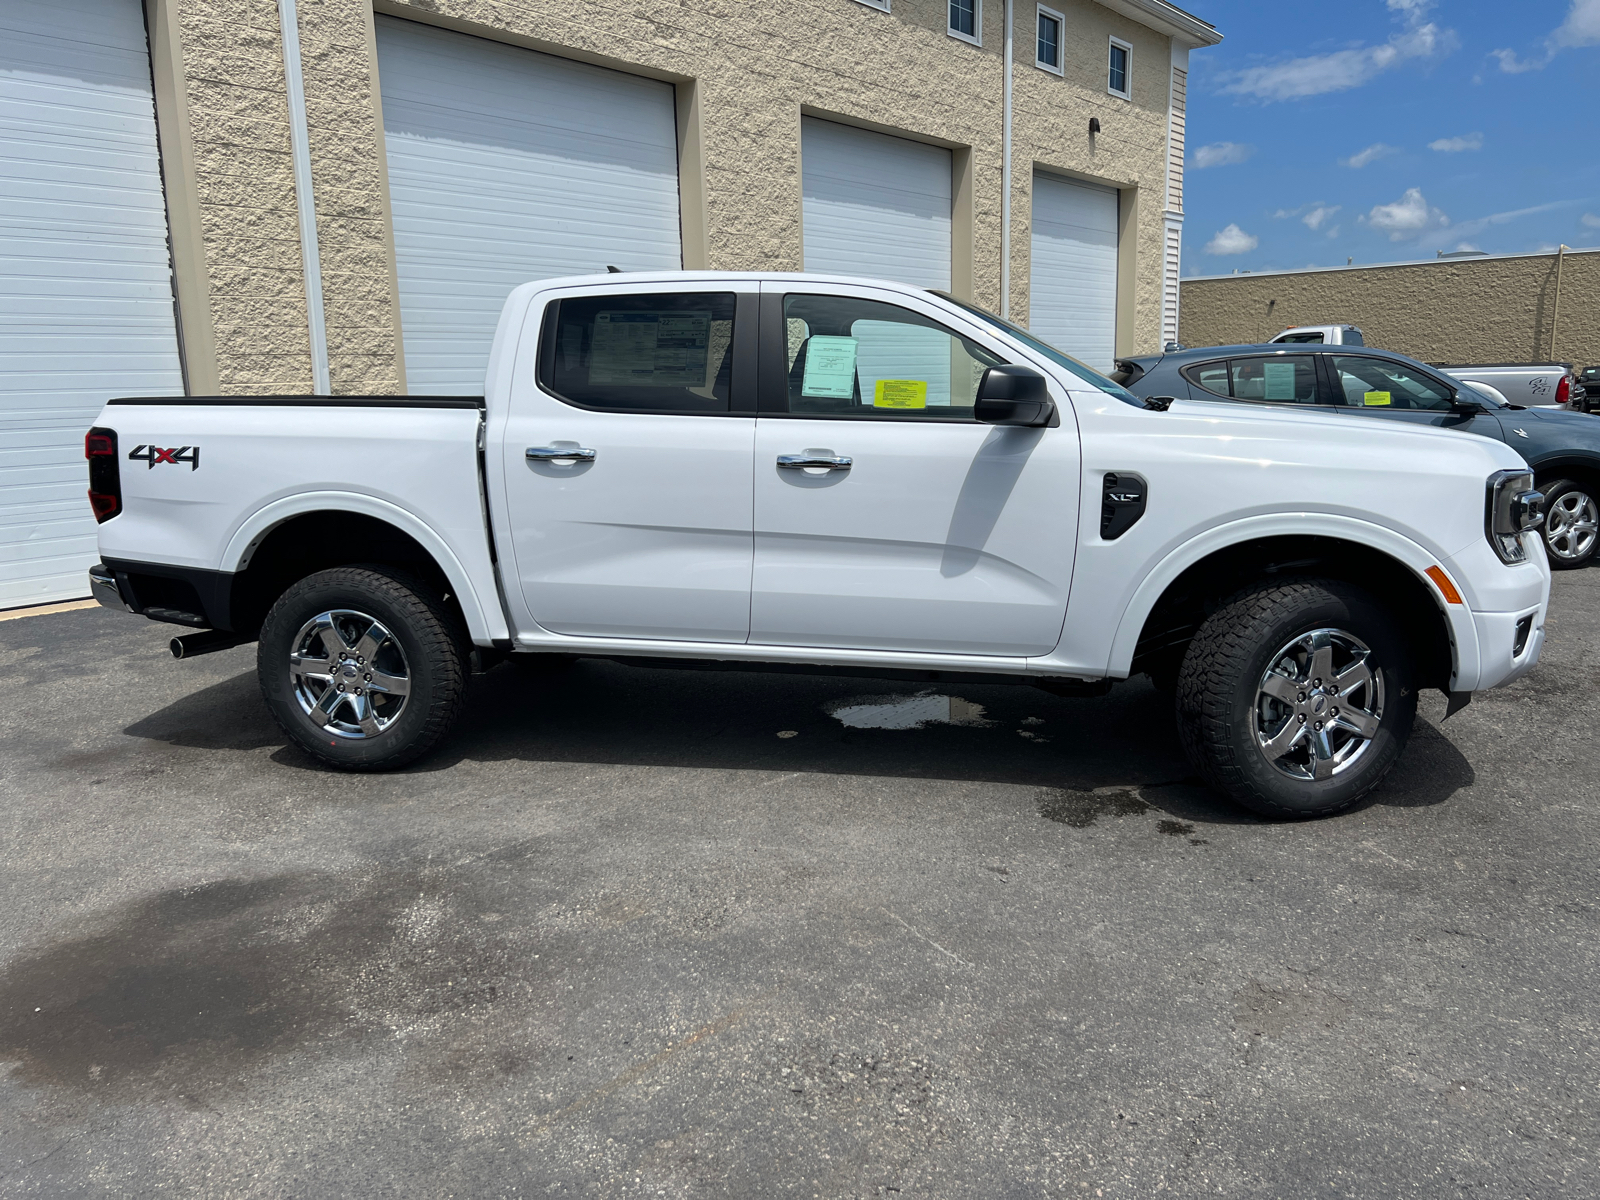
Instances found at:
x=103 y=586
x=178 y=595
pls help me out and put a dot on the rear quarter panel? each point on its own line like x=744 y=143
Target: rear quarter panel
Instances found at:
x=258 y=466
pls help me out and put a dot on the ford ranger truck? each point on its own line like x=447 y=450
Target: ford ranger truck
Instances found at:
x=815 y=473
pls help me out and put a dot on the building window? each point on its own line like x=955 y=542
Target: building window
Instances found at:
x=1048 y=52
x=1117 y=80
x=966 y=20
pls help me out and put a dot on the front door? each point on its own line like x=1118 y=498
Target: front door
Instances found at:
x=627 y=465
x=916 y=528
x=1389 y=390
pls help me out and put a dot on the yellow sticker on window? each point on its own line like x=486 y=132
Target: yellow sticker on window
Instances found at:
x=900 y=393
x=1375 y=399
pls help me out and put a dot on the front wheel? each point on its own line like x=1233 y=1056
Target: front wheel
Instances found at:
x=363 y=668
x=1296 y=698
x=1571 y=523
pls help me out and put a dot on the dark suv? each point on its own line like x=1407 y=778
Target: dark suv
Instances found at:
x=1359 y=383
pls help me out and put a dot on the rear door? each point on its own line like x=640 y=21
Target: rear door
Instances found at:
x=919 y=529
x=627 y=463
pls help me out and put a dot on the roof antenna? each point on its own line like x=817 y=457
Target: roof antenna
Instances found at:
x=610 y=270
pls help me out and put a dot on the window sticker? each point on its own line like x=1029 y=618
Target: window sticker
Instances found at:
x=830 y=367
x=650 y=349
x=1279 y=378
x=900 y=393
x=1375 y=399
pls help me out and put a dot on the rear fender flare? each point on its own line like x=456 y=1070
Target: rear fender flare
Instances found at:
x=485 y=624
x=1463 y=630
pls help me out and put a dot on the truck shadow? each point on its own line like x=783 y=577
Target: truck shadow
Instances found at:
x=1085 y=755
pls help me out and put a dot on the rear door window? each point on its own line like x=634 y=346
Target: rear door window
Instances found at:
x=1276 y=378
x=668 y=352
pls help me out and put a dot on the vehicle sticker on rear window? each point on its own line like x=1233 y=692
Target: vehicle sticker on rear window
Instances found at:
x=650 y=349
x=830 y=367
x=1375 y=399
x=1279 y=380
x=900 y=393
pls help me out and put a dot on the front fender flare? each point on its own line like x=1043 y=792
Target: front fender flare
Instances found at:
x=485 y=623
x=1463 y=630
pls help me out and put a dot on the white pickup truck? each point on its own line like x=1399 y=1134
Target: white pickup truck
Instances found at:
x=812 y=473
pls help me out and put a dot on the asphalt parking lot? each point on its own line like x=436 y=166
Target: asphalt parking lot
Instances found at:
x=622 y=938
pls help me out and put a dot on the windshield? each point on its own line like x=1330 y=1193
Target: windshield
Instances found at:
x=1084 y=372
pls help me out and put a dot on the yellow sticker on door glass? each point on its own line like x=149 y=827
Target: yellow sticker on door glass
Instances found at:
x=1375 y=399
x=900 y=393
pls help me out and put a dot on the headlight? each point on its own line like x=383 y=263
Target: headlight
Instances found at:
x=1514 y=507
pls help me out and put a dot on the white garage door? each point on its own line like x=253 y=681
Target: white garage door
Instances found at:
x=506 y=165
x=1072 y=285
x=875 y=205
x=85 y=281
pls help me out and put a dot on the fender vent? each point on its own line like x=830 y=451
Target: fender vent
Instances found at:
x=1122 y=500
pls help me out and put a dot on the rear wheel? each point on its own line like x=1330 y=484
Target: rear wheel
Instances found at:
x=1296 y=698
x=1571 y=523
x=364 y=669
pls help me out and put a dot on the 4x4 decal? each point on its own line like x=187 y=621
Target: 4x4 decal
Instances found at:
x=151 y=455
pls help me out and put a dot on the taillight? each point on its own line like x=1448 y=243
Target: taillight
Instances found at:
x=1563 y=389
x=105 y=477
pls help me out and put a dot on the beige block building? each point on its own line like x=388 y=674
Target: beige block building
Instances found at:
x=334 y=196
x=1497 y=308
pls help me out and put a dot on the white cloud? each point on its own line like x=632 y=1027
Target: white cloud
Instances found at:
x=1590 y=220
x=1318 y=216
x=1318 y=74
x=1408 y=217
x=1371 y=154
x=1441 y=236
x=1466 y=248
x=1581 y=28
x=1232 y=240
x=1220 y=154
x=1334 y=232
x=1455 y=145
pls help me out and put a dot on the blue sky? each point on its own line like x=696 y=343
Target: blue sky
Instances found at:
x=1388 y=130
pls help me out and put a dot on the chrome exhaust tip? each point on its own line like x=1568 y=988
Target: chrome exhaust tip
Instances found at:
x=190 y=645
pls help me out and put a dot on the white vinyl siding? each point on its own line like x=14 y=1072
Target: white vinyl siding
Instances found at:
x=505 y=166
x=1073 y=279
x=875 y=205
x=86 y=308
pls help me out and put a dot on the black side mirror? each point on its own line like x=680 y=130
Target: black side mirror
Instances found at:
x=1013 y=395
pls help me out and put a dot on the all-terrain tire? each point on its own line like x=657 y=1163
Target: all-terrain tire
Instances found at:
x=425 y=640
x=1219 y=704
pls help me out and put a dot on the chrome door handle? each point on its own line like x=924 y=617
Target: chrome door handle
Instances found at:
x=799 y=462
x=558 y=453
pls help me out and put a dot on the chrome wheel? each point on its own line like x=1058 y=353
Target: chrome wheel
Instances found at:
x=1319 y=705
x=349 y=674
x=1570 y=525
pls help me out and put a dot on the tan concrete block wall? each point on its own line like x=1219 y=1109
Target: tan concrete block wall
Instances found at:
x=239 y=121
x=1455 y=310
x=758 y=66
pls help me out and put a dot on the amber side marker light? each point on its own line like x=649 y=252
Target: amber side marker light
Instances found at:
x=1442 y=582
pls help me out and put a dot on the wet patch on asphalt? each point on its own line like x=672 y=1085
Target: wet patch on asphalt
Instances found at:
x=190 y=988
x=906 y=712
x=1081 y=809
